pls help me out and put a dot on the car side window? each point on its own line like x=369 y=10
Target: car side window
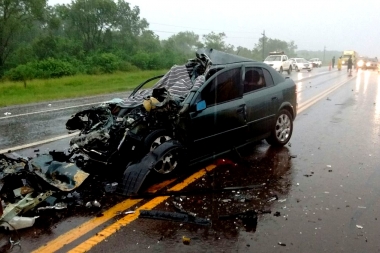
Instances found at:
x=224 y=87
x=268 y=78
x=253 y=79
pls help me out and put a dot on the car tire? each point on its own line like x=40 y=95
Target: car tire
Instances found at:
x=289 y=70
x=170 y=160
x=281 y=70
x=155 y=139
x=296 y=69
x=282 y=130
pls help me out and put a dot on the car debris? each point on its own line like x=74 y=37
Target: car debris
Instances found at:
x=174 y=216
x=186 y=240
x=18 y=222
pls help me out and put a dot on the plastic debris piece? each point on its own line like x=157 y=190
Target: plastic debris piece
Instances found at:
x=18 y=222
x=57 y=206
x=281 y=243
x=363 y=207
x=7 y=113
x=281 y=200
x=275 y=197
x=226 y=200
x=328 y=166
x=359 y=227
x=277 y=214
x=185 y=240
x=95 y=203
x=111 y=187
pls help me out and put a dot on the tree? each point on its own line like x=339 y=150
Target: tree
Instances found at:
x=16 y=16
x=215 y=41
x=274 y=45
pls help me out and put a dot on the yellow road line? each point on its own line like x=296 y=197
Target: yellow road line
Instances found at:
x=84 y=228
x=99 y=237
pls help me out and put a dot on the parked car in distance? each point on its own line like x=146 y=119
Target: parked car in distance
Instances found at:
x=215 y=103
x=372 y=63
x=279 y=61
x=299 y=64
x=316 y=62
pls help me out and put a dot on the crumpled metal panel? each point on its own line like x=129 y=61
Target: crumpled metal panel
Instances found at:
x=64 y=176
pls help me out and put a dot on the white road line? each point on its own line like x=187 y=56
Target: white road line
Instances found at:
x=2 y=151
x=301 y=108
x=315 y=99
x=52 y=110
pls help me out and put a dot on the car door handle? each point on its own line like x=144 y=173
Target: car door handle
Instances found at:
x=239 y=110
x=274 y=98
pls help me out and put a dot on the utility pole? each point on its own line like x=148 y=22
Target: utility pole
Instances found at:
x=324 y=52
x=263 y=44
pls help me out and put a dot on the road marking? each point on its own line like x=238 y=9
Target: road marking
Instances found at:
x=2 y=151
x=317 y=98
x=108 y=231
x=73 y=234
x=52 y=110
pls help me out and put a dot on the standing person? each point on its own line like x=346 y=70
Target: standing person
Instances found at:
x=333 y=61
x=340 y=63
x=349 y=66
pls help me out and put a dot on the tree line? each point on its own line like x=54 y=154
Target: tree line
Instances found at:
x=98 y=36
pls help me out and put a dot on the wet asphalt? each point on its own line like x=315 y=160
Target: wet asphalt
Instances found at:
x=322 y=188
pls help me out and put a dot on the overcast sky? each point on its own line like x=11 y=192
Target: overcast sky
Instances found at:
x=313 y=25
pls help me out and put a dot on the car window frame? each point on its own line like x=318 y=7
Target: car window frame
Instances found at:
x=199 y=95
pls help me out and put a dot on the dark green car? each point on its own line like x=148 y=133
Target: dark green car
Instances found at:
x=215 y=103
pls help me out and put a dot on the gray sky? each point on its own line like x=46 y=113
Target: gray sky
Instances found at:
x=338 y=25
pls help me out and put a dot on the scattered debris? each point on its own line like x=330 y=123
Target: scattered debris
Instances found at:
x=359 y=227
x=281 y=244
x=18 y=222
x=277 y=214
x=185 y=240
x=281 y=200
x=7 y=113
x=173 y=216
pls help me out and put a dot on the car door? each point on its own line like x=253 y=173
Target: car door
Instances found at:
x=221 y=123
x=261 y=103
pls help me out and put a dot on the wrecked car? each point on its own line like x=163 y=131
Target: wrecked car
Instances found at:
x=215 y=103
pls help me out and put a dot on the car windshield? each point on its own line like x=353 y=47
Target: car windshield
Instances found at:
x=273 y=58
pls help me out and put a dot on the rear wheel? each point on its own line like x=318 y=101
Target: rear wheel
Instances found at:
x=283 y=129
x=281 y=70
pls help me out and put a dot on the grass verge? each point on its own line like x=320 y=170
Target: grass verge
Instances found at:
x=14 y=93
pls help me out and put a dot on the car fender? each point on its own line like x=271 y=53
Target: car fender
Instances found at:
x=288 y=106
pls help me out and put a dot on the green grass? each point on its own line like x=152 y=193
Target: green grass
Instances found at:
x=14 y=93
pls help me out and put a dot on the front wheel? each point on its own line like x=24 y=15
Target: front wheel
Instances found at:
x=290 y=70
x=283 y=129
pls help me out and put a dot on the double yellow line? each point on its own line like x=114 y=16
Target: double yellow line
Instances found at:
x=76 y=233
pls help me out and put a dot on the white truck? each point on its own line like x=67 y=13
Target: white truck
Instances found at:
x=279 y=61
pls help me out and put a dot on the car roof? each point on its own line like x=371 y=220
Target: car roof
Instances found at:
x=222 y=58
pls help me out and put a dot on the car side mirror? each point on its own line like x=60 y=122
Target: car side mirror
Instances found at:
x=201 y=105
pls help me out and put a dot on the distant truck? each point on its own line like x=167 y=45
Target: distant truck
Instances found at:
x=279 y=61
x=346 y=54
